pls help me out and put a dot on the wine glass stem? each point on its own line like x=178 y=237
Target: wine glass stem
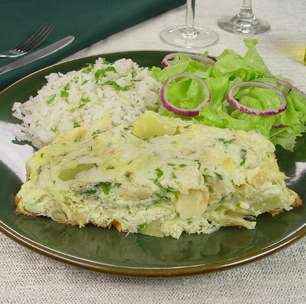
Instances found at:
x=246 y=11
x=190 y=31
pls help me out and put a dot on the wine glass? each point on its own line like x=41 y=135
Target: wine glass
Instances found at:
x=188 y=36
x=244 y=22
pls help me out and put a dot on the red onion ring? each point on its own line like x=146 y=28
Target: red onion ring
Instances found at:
x=182 y=111
x=288 y=86
x=293 y=88
x=167 y=60
x=279 y=126
x=234 y=103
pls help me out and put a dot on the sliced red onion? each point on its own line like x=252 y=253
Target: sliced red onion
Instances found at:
x=298 y=91
x=167 y=60
x=279 y=126
x=288 y=87
x=234 y=103
x=182 y=111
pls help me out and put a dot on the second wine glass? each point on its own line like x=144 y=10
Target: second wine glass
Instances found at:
x=188 y=35
x=244 y=22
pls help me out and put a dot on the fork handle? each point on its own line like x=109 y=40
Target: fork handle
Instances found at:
x=41 y=53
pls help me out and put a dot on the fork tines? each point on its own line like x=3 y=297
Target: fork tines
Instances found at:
x=35 y=39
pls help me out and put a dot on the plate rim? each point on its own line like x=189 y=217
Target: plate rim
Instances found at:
x=297 y=234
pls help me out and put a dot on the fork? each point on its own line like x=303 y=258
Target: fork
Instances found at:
x=28 y=44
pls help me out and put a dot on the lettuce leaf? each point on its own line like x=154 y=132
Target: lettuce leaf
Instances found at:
x=185 y=93
x=229 y=68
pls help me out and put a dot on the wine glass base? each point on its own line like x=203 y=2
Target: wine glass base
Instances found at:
x=189 y=38
x=243 y=26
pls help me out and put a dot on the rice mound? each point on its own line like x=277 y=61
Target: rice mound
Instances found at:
x=121 y=89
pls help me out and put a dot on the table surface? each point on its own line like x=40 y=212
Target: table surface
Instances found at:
x=28 y=277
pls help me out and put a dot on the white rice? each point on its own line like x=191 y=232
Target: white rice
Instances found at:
x=78 y=98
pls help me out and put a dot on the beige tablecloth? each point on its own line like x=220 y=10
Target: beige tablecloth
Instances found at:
x=27 y=277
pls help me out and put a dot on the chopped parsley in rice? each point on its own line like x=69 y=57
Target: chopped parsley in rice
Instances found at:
x=121 y=89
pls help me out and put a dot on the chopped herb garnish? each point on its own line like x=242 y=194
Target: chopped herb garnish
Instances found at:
x=169 y=189
x=173 y=175
x=222 y=199
x=106 y=187
x=166 y=194
x=159 y=173
x=88 y=68
x=84 y=99
x=54 y=129
x=102 y=72
x=198 y=162
x=116 y=86
x=96 y=133
x=76 y=125
x=51 y=99
x=243 y=155
x=182 y=165
x=161 y=197
x=122 y=134
x=65 y=91
x=92 y=190
x=140 y=227
x=226 y=141
x=84 y=81
x=99 y=74
x=110 y=69
x=133 y=72
x=219 y=175
x=110 y=167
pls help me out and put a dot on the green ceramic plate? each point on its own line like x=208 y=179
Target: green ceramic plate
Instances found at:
x=111 y=251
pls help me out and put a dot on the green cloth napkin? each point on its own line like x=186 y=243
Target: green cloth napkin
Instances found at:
x=89 y=21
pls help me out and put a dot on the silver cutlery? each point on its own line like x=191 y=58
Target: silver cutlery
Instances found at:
x=33 y=56
x=28 y=44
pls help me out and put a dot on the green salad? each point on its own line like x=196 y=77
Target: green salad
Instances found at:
x=229 y=69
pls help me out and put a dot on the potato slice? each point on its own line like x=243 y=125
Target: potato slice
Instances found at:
x=70 y=173
x=152 y=229
x=192 y=204
x=151 y=124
